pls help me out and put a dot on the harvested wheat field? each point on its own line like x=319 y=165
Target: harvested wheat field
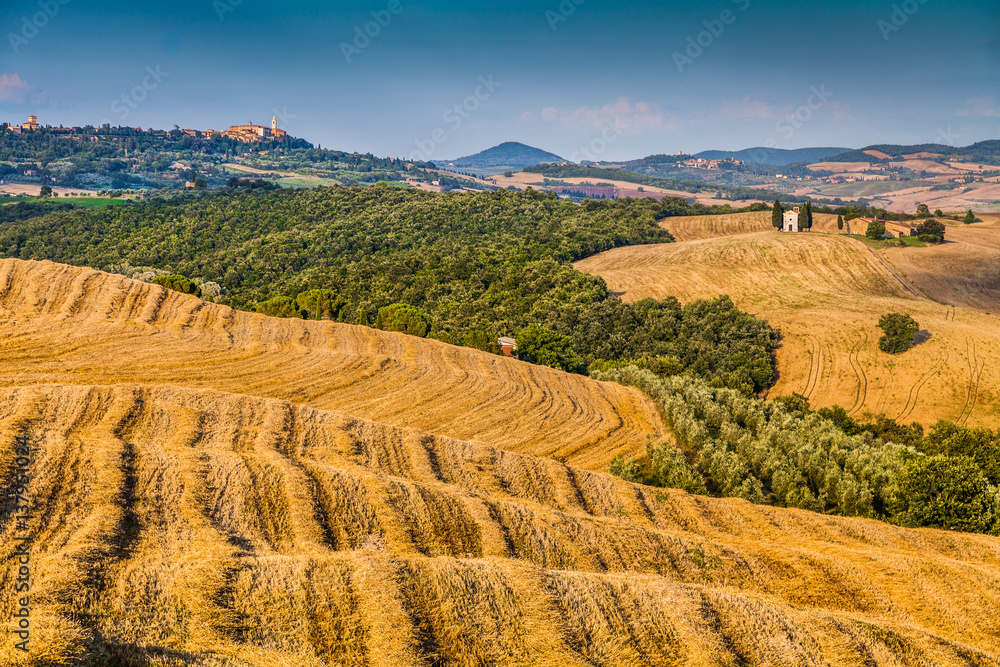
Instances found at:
x=192 y=527
x=698 y=227
x=62 y=324
x=826 y=292
x=963 y=272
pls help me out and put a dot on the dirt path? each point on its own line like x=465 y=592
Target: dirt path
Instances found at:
x=907 y=286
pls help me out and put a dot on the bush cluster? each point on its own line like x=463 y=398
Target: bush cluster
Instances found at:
x=899 y=330
x=178 y=283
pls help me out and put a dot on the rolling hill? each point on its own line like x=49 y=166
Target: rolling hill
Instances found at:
x=508 y=154
x=208 y=490
x=826 y=292
x=65 y=323
x=774 y=156
x=983 y=151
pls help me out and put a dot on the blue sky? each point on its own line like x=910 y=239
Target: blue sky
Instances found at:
x=587 y=79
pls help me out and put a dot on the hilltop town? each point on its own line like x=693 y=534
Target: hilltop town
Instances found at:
x=249 y=133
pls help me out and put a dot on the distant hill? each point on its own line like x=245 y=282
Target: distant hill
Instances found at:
x=509 y=154
x=774 y=156
x=984 y=151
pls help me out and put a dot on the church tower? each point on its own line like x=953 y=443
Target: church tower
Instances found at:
x=274 y=122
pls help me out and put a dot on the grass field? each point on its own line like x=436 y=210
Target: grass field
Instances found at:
x=883 y=244
x=182 y=517
x=963 y=272
x=82 y=202
x=865 y=188
x=306 y=182
x=826 y=292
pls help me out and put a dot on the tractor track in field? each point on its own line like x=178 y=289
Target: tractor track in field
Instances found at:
x=976 y=369
x=911 y=400
x=855 y=360
x=815 y=368
x=895 y=274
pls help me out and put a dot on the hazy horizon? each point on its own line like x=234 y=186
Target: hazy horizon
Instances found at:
x=580 y=78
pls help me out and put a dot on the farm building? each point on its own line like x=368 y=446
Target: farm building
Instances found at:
x=900 y=229
x=892 y=229
x=508 y=346
x=790 y=222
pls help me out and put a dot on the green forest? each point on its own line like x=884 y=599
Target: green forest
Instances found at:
x=473 y=267
x=782 y=453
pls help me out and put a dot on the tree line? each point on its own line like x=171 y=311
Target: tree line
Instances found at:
x=461 y=268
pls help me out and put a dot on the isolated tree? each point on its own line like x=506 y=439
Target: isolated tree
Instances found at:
x=898 y=332
x=939 y=213
x=931 y=231
x=969 y=218
x=840 y=222
x=923 y=211
x=777 y=215
x=809 y=214
x=876 y=230
x=178 y=283
x=46 y=191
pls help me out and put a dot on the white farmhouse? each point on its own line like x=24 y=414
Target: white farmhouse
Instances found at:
x=791 y=221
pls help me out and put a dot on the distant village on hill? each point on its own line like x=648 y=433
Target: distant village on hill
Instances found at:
x=248 y=133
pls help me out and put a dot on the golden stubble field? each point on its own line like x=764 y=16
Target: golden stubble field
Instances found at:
x=196 y=503
x=61 y=324
x=191 y=527
x=826 y=292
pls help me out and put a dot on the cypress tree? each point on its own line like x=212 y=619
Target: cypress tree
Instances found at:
x=777 y=215
x=840 y=222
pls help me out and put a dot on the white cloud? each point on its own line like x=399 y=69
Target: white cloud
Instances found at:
x=980 y=106
x=748 y=107
x=15 y=90
x=632 y=119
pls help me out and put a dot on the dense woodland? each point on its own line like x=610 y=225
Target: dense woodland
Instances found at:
x=782 y=453
x=475 y=266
